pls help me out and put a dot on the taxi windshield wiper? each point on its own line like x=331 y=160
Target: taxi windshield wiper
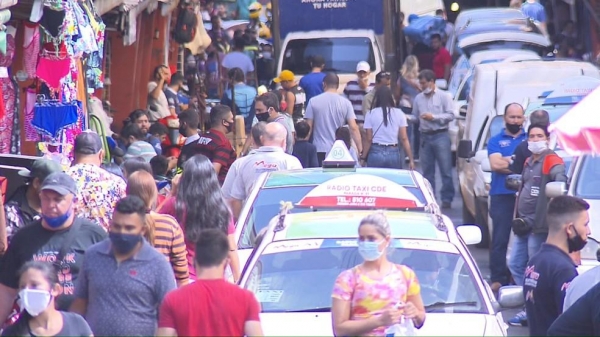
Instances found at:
x=439 y=305
x=321 y=309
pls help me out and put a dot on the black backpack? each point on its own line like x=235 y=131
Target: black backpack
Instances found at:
x=185 y=28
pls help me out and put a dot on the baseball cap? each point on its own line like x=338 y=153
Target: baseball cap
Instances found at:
x=363 y=66
x=381 y=75
x=41 y=168
x=60 y=183
x=88 y=142
x=285 y=75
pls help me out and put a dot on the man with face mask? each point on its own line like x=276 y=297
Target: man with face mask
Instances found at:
x=267 y=110
x=502 y=200
x=539 y=117
x=189 y=121
x=530 y=226
x=214 y=144
x=550 y=271
x=58 y=237
x=267 y=158
x=124 y=279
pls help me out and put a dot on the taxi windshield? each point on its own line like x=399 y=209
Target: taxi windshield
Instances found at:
x=267 y=204
x=588 y=182
x=302 y=280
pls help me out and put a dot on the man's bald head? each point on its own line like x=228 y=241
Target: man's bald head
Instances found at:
x=540 y=117
x=275 y=135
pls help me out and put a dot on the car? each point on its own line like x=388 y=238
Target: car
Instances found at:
x=298 y=258
x=337 y=184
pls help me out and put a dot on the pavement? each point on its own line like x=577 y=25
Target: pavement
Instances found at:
x=480 y=255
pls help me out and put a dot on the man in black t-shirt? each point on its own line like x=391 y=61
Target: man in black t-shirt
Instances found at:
x=188 y=127
x=43 y=240
x=550 y=271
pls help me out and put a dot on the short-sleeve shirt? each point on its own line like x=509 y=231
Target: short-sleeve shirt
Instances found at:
x=312 y=84
x=158 y=108
x=383 y=134
x=36 y=243
x=236 y=59
x=215 y=145
x=505 y=145
x=227 y=305
x=328 y=111
x=581 y=285
x=287 y=122
x=370 y=297
x=547 y=277
x=168 y=207
x=140 y=148
x=356 y=94
x=73 y=325
x=123 y=298
x=441 y=59
x=266 y=159
x=97 y=192
x=173 y=100
x=233 y=174
x=168 y=240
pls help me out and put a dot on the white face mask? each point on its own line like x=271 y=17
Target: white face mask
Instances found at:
x=427 y=90
x=266 y=55
x=537 y=147
x=35 y=301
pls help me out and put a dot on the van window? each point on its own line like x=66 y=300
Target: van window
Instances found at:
x=341 y=54
x=497 y=45
x=465 y=90
x=496 y=125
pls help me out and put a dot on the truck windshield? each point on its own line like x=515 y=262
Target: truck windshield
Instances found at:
x=341 y=54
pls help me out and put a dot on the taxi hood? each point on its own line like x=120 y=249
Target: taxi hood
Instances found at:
x=319 y=324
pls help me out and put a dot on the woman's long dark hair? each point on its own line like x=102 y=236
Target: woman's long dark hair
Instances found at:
x=50 y=275
x=199 y=203
x=384 y=99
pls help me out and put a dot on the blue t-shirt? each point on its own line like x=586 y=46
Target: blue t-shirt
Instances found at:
x=505 y=145
x=312 y=84
x=535 y=11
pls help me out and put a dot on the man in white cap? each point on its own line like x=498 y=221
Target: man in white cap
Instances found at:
x=356 y=90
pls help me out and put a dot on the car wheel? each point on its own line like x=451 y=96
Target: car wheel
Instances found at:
x=481 y=219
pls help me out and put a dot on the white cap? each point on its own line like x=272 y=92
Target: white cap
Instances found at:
x=363 y=66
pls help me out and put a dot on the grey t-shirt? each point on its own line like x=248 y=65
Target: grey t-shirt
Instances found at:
x=328 y=111
x=287 y=121
x=528 y=197
x=73 y=325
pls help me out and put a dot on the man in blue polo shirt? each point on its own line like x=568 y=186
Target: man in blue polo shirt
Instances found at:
x=502 y=200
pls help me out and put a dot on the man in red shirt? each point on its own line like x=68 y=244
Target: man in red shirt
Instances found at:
x=442 y=61
x=214 y=144
x=211 y=306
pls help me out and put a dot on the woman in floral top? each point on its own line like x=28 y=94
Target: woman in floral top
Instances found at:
x=377 y=293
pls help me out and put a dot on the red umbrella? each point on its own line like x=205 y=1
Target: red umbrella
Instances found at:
x=578 y=131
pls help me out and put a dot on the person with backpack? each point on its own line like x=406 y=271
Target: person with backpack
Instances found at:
x=529 y=225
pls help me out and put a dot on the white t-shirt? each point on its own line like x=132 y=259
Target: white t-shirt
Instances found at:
x=383 y=134
x=266 y=159
x=157 y=108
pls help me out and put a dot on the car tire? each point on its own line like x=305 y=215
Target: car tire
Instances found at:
x=481 y=219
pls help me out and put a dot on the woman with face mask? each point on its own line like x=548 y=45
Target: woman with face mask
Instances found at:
x=359 y=295
x=38 y=287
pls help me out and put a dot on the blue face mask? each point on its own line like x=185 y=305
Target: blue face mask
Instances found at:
x=57 y=221
x=124 y=243
x=369 y=250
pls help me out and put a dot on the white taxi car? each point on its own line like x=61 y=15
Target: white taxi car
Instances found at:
x=338 y=184
x=293 y=269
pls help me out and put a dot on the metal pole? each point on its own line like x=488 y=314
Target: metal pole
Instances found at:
x=275 y=28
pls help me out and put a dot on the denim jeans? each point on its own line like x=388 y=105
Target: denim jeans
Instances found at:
x=436 y=148
x=523 y=248
x=502 y=207
x=384 y=157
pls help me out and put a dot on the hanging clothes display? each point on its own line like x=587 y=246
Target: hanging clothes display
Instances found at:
x=15 y=141
x=8 y=96
x=51 y=117
x=31 y=48
x=31 y=134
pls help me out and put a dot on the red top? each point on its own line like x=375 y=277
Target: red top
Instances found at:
x=169 y=208
x=208 y=308
x=215 y=145
x=441 y=58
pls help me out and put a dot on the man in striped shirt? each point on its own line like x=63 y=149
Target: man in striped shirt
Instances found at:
x=356 y=90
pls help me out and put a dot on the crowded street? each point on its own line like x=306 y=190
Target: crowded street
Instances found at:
x=299 y=168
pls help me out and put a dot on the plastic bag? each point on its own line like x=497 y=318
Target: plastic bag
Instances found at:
x=404 y=328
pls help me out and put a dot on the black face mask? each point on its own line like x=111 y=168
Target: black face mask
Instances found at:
x=263 y=117
x=229 y=127
x=513 y=128
x=182 y=130
x=576 y=243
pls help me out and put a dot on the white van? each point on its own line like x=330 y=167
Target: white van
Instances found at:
x=494 y=86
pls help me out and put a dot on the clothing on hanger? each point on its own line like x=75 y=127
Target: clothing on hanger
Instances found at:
x=50 y=118
x=31 y=134
x=31 y=45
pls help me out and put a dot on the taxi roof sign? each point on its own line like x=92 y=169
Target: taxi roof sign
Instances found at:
x=572 y=90
x=339 y=156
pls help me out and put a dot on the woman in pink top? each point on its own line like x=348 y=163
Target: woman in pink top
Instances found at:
x=198 y=204
x=377 y=293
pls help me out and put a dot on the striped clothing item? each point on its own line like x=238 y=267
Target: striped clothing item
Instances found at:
x=168 y=240
x=140 y=148
x=355 y=94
